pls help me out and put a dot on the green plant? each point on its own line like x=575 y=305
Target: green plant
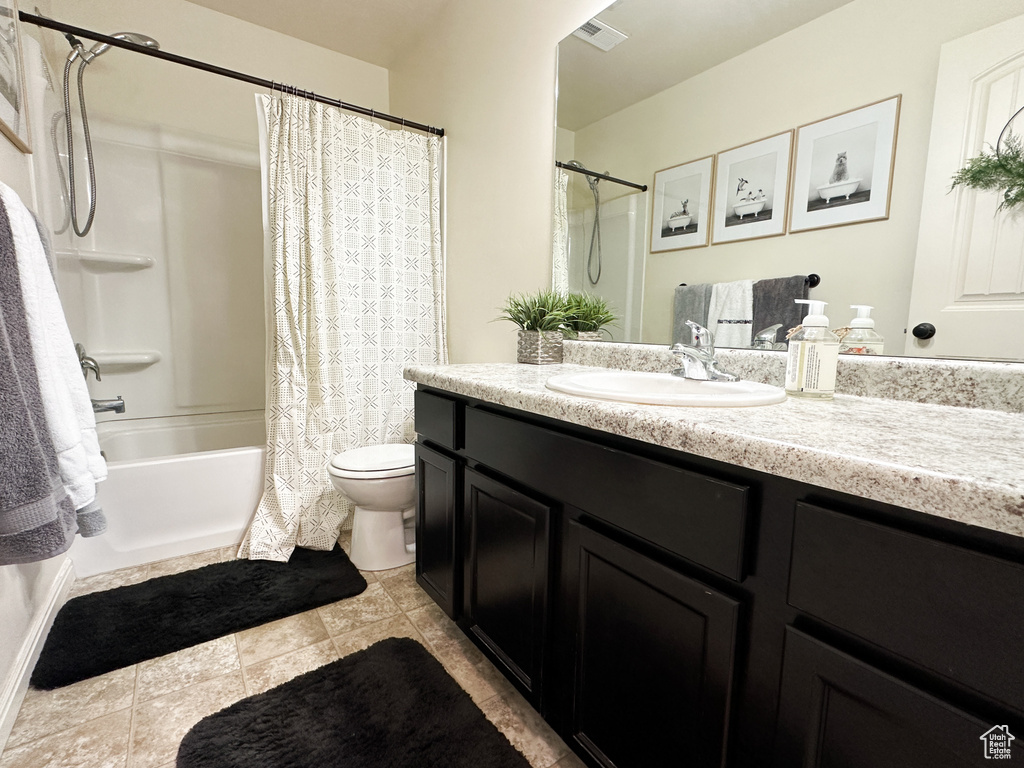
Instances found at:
x=999 y=171
x=585 y=312
x=540 y=311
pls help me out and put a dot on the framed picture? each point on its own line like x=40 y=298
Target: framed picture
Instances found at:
x=751 y=190
x=13 y=109
x=843 y=170
x=681 y=214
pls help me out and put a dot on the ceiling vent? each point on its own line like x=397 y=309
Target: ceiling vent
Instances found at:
x=596 y=32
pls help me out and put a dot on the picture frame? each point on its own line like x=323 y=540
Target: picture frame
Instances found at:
x=13 y=105
x=843 y=167
x=752 y=190
x=681 y=210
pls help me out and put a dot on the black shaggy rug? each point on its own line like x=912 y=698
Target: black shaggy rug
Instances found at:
x=109 y=630
x=390 y=706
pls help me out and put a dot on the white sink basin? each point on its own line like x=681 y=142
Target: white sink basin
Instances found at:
x=664 y=389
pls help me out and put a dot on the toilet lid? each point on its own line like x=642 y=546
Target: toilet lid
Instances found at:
x=376 y=458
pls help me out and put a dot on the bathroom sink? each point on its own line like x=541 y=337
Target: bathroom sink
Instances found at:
x=664 y=389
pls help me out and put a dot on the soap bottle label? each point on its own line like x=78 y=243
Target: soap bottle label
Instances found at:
x=811 y=367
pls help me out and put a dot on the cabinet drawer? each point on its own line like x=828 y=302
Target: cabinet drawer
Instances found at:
x=700 y=518
x=955 y=611
x=438 y=419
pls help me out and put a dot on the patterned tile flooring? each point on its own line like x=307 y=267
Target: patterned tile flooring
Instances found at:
x=135 y=717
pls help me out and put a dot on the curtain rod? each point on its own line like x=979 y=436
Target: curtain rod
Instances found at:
x=566 y=166
x=42 y=21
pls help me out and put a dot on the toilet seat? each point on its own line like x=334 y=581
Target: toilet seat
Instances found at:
x=375 y=462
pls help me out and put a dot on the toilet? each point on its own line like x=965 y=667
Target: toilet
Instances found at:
x=381 y=481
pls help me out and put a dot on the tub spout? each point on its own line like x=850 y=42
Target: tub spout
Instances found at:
x=105 y=406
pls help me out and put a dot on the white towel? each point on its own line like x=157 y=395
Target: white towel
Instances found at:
x=731 y=313
x=65 y=398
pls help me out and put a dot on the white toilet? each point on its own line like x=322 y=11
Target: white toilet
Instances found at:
x=381 y=481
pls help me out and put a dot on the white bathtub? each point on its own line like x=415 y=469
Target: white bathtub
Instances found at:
x=828 y=192
x=165 y=506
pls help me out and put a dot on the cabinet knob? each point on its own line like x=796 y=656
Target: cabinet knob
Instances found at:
x=924 y=330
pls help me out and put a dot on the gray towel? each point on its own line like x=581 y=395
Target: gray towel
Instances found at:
x=691 y=303
x=773 y=303
x=37 y=519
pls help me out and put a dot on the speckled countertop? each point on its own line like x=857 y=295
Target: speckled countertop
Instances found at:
x=964 y=464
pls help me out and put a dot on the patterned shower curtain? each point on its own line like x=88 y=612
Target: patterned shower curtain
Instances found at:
x=560 y=242
x=355 y=292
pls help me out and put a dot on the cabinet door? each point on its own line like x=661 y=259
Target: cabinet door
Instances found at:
x=838 y=712
x=654 y=661
x=506 y=577
x=438 y=568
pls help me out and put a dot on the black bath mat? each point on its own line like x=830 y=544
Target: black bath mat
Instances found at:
x=390 y=706
x=109 y=630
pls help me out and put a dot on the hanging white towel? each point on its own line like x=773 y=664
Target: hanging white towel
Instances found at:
x=65 y=397
x=731 y=313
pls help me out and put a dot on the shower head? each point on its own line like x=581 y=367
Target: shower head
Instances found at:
x=100 y=48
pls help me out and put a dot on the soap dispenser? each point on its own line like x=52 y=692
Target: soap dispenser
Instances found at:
x=862 y=338
x=813 y=356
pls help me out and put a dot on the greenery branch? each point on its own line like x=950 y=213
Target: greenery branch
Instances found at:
x=993 y=170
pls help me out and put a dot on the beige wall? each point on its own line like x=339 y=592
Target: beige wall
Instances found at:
x=486 y=73
x=795 y=79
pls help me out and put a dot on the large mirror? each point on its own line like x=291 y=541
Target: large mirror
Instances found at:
x=694 y=80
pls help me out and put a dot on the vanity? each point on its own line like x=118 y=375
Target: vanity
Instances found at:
x=806 y=583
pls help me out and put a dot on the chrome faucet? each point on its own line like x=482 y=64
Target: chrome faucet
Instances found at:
x=87 y=363
x=115 y=404
x=698 y=357
x=765 y=338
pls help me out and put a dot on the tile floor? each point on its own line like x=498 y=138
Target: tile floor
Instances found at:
x=135 y=717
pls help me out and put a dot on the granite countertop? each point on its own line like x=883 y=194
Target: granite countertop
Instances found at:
x=963 y=464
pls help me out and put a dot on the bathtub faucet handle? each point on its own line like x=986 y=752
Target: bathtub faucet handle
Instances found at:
x=87 y=363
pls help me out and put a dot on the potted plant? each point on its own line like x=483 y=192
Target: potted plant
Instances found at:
x=586 y=315
x=1001 y=169
x=541 y=317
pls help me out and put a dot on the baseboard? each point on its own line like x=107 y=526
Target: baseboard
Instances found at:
x=16 y=684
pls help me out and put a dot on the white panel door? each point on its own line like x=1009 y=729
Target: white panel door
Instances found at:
x=969 y=272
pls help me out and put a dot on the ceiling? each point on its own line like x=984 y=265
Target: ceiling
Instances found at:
x=669 y=41
x=375 y=31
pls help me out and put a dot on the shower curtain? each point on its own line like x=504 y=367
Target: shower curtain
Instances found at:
x=560 y=244
x=355 y=291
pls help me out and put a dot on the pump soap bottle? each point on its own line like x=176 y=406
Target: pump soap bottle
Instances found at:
x=813 y=356
x=862 y=338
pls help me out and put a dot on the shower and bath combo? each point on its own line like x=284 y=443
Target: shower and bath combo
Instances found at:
x=84 y=57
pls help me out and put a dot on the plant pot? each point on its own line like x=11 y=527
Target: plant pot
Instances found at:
x=540 y=347
x=588 y=336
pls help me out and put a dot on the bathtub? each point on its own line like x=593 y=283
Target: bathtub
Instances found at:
x=679 y=222
x=828 y=192
x=160 y=504
x=745 y=209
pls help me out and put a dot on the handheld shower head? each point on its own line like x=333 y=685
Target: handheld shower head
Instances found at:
x=132 y=37
x=100 y=48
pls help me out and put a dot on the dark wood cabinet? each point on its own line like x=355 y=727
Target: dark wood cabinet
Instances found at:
x=437 y=528
x=506 y=577
x=654 y=661
x=662 y=609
